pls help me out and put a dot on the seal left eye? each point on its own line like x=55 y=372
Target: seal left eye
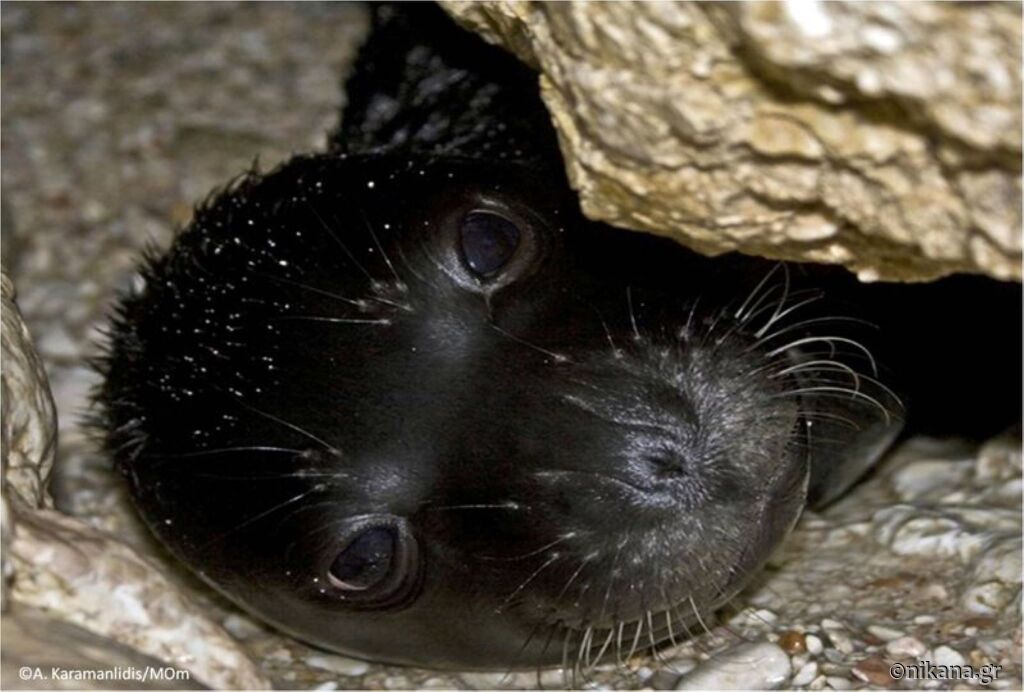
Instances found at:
x=365 y=562
x=488 y=242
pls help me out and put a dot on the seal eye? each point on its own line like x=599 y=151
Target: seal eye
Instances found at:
x=488 y=241
x=365 y=561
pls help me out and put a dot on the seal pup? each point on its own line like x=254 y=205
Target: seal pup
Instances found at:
x=403 y=401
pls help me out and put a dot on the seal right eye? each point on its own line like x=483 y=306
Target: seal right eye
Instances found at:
x=365 y=562
x=489 y=241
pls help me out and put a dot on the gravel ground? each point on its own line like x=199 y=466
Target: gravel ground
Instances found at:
x=117 y=118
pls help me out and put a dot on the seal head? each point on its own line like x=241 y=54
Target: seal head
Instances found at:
x=403 y=401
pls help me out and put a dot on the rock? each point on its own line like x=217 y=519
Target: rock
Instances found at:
x=338 y=664
x=39 y=650
x=886 y=634
x=78 y=574
x=881 y=136
x=805 y=675
x=874 y=671
x=28 y=420
x=906 y=647
x=753 y=666
x=793 y=642
x=814 y=645
x=947 y=656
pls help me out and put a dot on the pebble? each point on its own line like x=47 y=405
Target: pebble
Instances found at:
x=906 y=647
x=841 y=642
x=837 y=683
x=280 y=654
x=757 y=665
x=805 y=675
x=792 y=642
x=874 y=671
x=341 y=665
x=680 y=666
x=886 y=634
x=240 y=627
x=946 y=656
x=814 y=645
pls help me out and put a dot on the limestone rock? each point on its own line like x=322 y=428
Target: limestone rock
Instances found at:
x=43 y=653
x=74 y=572
x=885 y=137
x=28 y=419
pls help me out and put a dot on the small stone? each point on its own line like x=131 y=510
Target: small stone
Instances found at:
x=487 y=681
x=341 y=665
x=280 y=654
x=886 y=634
x=838 y=683
x=757 y=665
x=842 y=643
x=240 y=627
x=805 y=675
x=874 y=671
x=680 y=666
x=814 y=645
x=792 y=642
x=946 y=656
x=834 y=657
x=329 y=685
x=906 y=647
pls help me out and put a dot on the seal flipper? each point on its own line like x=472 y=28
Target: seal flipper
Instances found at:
x=424 y=85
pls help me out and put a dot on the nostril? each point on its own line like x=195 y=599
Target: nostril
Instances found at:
x=663 y=466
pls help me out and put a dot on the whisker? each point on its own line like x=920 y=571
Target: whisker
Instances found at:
x=840 y=390
x=311 y=289
x=558 y=357
x=739 y=312
x=529 y=579
x=335 y=320
x=553 y=543
x=833 y=365
x=222 y=450
x=400 y=284
x=830 y=340
x=319 y=487
x=337 y=240
x=285 y=423
x=632 y=315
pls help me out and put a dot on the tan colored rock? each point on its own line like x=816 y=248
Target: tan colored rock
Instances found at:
x=83 y=576
x=28 y=419
x=69 y=572
x=882 y=136
x=43 y=653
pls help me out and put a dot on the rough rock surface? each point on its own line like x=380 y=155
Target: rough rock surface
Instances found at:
x=35 y=644
x=918 y=562
x=882 y=136
x=28 y=420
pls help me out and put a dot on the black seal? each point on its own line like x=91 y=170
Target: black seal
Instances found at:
x=403 y=401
